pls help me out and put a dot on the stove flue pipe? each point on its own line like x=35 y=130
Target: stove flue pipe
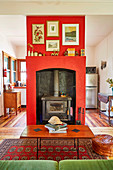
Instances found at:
x=56 y=83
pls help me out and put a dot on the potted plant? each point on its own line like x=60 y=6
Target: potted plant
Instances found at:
x=110 y=81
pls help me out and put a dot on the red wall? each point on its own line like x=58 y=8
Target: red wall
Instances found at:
x=77 y=63
x=44 y=62
x=62 y=20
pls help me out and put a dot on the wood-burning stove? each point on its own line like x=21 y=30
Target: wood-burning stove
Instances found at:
x=56 y=106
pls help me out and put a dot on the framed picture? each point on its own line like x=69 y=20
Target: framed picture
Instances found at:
x=52 y=28
x=52 y=45
x=70 y=34
x=38 y=33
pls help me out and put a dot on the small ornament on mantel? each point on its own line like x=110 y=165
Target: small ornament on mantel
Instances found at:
x=66 y=53
x=55 y=53
x=35 y=53
x=40 y=54
x=71 y=51
x=76 y=53
x=30 y=53
x=82 y=52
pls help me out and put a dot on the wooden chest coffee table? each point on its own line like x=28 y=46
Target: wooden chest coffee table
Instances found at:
x=73 y=132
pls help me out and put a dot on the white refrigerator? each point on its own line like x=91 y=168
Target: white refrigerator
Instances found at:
x=91 y=90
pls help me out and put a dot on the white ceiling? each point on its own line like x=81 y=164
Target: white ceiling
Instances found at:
x=89 y=1
x=14 y=28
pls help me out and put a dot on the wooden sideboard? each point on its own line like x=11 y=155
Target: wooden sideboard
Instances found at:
x=12 y=100
x=105 y=98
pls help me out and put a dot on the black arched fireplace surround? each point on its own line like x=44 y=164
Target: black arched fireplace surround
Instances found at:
x=55 y=95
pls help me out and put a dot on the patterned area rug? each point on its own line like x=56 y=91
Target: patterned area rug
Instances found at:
x=26 y=149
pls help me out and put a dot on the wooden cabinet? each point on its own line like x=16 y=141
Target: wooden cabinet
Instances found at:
x=12 y=100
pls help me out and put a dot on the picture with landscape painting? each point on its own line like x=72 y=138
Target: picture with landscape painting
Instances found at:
x=52 y=45
x=70 y=34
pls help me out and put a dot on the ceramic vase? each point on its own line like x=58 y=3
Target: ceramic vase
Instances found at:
x=112 y=90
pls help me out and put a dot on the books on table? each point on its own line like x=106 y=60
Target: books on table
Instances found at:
x=57 y=131
x=57 y=128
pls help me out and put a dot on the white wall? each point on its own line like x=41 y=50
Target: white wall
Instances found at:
x=104 y=52
x=7 y=47
x=90 y=56
x=21 y=52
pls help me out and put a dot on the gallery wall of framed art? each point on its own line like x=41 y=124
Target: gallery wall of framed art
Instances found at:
x=55 y=33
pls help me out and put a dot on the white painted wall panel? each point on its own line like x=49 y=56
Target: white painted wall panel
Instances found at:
x=21 y=53
x=23 y=95
x=104 y=52
x=90 y=56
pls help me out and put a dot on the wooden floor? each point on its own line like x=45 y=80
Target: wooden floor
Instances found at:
x=92 y=119
x=12 y=126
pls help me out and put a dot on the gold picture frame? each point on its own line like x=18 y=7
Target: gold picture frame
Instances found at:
x=52 y=28
x=52 y=45
x=37 y=33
